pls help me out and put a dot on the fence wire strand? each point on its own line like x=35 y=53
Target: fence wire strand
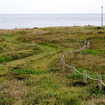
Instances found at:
x=77 y=71
x=91 y=78
x=67 y=65
x=102 y=82
x=68 y=53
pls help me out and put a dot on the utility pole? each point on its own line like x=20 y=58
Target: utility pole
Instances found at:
x=102 y=16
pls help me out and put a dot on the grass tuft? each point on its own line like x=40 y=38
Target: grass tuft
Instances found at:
x=91 y=52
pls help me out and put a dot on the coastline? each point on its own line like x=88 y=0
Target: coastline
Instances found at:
x=50 y=27
x=48 y=20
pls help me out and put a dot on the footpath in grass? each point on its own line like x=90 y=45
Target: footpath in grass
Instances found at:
x=38 y=79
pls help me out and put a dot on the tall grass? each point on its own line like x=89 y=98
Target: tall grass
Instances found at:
x=31 y=72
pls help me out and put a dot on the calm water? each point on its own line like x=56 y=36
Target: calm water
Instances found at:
x=30 y=21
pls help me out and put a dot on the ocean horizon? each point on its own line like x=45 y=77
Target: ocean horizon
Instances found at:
x=11 y=21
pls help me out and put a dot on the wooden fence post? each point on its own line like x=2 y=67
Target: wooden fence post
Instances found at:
x=80 y=50
x=85 y=77
x=99 y=82
x=88 y=45
x=63 y=65
x=85 y=42
x=73 y=69
x=84 y=48
x=61 y=59
x=72 y=55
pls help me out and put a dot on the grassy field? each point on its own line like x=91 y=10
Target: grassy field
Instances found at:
x=30 y=69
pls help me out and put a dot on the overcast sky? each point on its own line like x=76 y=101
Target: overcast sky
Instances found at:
x=50 y=6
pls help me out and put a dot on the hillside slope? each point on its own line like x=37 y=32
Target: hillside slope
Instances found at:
x=30 y=69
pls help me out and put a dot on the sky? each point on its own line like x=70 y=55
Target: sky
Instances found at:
x=51 y=6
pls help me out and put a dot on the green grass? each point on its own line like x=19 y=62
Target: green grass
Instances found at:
x=5 y=59
x=27 y=71
x=90 y=52
x=21 y=32
x=31 y=72
x=75 y=76
x=7 y=35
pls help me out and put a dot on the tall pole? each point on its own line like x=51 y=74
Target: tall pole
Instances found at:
x=102 y=16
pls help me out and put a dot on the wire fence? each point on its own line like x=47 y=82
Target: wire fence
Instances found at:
x=74 y=70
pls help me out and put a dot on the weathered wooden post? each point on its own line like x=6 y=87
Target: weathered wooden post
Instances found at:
x=85 y=77
x=102 y=16
x=73 y=69
x=84 y=48
x=88 y=45
x=85 y=42
x=72 y=54
x=80 y=50
x=61 y=59
x=99 y=82
x=63 y=65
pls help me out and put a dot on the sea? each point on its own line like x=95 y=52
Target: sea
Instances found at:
x=11 y=21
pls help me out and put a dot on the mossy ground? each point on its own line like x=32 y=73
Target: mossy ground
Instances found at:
x=30 y=69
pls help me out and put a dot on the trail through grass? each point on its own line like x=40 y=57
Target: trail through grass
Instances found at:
x=38 y=79
x=46 y=50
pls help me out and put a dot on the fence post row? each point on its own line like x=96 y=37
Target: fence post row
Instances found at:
x=73 y=67
x=99 y=82
x=85 y=77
